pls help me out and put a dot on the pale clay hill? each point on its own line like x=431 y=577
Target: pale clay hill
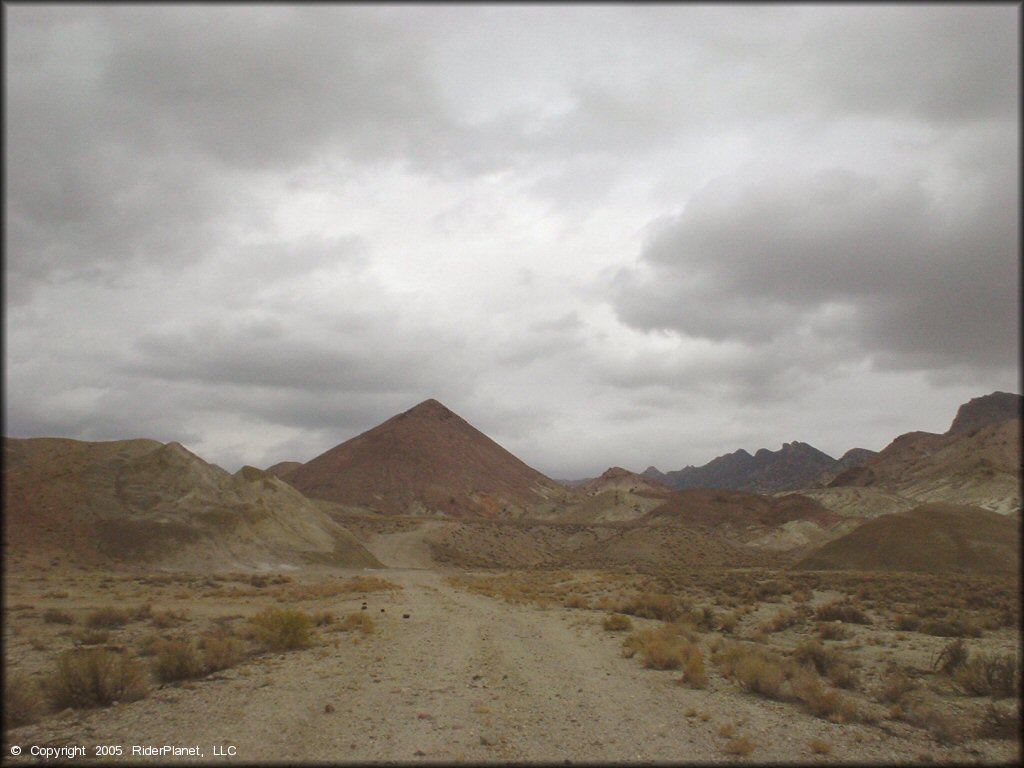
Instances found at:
x=136 y=502
x=928 y=538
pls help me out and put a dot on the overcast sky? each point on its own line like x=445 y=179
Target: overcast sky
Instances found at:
x=604 y=235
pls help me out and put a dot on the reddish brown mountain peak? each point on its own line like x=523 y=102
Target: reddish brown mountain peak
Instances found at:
x=431 y=408
x=426 y=460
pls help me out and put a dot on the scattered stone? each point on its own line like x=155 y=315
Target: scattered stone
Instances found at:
x=328 y=708
x=419 y=753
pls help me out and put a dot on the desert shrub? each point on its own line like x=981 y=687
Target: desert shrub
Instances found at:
x=21 y=701
x=952 y=656
x=1000 y=722
x=92 y=637
x=842 y=610
x=907 y=622
x=693 y=669
x=944 y=727
x=742 y=745
x=894 y=687
x=671 y=646
x=957 y=626
x=357 y=620
x=760 y=674
x=107 y=618
x=833 y=630
x=617 y=622
x=703 y=618
x=95 y=677
x=177 y=660
x=283 y=629
x=220 y=651
x=57 y=616
x=812 y=653
x=821 y=701
x=323 y=618
x=167 y=619
x=727 y=622
x=820 y=746
x=782 y=620
x=984 y=675
x=651 y=605
x=576 y=601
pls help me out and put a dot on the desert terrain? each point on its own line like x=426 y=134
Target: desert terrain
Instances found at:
x=153 y=600
x=449 y=665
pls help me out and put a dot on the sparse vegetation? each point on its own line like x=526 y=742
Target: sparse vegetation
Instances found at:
x=671 y=646
x=820 y=746
x=21 y=701
x=95 y=677
x=357 y=621
x=742 y=745
x=1001 y=722
x=650 y=605
x=107 y=618
x=57 y=616
x=842 y=610
x=833 y=630
x=617 y=622
x=177 y=659
x=283 y=629
x=989 y=675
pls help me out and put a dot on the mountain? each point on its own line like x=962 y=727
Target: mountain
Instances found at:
x=980 y=467
x=619 y=479
x=130 y=502
x=932 y=537
x=426 y=460
x=988 y=409
x=282 y=468
x=796 y=465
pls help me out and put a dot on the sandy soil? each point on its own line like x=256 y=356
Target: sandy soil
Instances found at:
x=470 y=678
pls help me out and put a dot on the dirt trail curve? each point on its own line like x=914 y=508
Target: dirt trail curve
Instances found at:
x=464 y=678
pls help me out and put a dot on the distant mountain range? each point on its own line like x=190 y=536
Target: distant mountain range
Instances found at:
x=799 y=466
x=141 y=503
x=794 y=466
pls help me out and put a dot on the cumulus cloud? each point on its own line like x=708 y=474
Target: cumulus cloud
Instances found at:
x=878 y=267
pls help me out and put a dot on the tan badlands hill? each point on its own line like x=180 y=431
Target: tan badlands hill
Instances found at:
x=142 y=502
x=789 y=523
x=427 y=461
x=619 y=479
x=931 y=538
x=980 y=467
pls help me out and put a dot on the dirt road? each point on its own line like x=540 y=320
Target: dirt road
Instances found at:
x=464 y=678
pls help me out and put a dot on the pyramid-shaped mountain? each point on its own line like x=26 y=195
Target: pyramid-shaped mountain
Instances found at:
x=425 y=461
